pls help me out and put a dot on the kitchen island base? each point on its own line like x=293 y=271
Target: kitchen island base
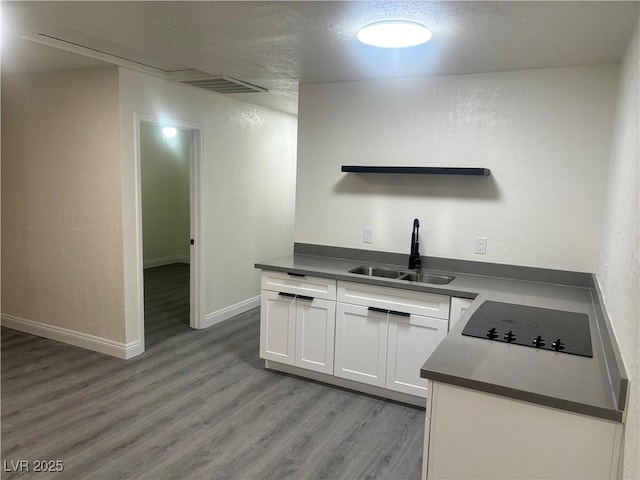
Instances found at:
x=471 y=434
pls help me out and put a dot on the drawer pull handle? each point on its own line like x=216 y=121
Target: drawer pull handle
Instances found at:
x=304 y=297
x=285 y=294
x=296 y=274
x=379 y=310
x=400 y=314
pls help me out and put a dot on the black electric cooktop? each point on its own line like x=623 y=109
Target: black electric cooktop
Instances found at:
x=542 y=328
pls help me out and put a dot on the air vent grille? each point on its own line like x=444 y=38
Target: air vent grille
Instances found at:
x=215 y=83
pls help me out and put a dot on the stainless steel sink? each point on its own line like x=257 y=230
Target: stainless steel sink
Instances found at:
x=403 y=275
x=427 y=278
x=376 y=272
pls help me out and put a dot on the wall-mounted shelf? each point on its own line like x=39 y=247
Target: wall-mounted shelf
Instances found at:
x=483 y=172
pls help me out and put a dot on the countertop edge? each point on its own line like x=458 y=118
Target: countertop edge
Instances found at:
x=531 y=397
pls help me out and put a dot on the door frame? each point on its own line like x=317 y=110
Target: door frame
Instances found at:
x=196 y=152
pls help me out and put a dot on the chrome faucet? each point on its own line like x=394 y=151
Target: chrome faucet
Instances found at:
x=415 y=262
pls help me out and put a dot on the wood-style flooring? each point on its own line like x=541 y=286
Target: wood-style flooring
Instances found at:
x=198 y=404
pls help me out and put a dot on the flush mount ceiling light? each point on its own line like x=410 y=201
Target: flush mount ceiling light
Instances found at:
x=169 y=132
x=394 y=34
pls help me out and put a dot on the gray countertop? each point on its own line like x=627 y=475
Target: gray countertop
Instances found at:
x=569 y=382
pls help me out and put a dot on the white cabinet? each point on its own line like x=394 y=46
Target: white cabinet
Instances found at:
x=361 y=344
x=411 y=340
x=314 y=334
x=471 y=435
x=296 y=328
x=375 y=336
x=381 y=345
x=277 y=327
x=458 y=307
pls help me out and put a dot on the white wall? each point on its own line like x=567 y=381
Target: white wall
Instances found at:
x=165 y=195
x=248 y=186
x=545 y=135
x=618 y=270
x=62 y=267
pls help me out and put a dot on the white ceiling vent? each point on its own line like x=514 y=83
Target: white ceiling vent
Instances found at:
x=215 y=83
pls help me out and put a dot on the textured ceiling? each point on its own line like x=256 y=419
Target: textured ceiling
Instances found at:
x=278 y=45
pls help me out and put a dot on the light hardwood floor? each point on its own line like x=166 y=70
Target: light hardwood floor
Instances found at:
x=195 y=405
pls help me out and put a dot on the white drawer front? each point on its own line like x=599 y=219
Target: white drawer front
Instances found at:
x=407 y=301
x=315 y=287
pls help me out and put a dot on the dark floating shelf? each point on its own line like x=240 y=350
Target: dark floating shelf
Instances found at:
x=482 y=172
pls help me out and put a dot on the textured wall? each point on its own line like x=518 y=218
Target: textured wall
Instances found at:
x=619 y=264
x=545 y=135
x=61 y=201
x=165 y=193
x=248 y=186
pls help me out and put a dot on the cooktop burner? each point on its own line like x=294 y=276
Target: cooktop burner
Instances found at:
x=555 y=330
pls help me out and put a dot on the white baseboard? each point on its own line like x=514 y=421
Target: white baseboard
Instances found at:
x=231 y=311
x=72 y=337
x=350 y=384
x=159 y=262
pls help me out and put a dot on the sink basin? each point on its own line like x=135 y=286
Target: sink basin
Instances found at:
x=402 y=275
x=376 y=272
x=427 y=278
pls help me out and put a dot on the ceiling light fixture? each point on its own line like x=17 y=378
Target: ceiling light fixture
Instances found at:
x=394 y=34
x=169 y=132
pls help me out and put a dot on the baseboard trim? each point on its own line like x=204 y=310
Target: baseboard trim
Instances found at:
x=348 y=384
x=160 y=262
x=72 y=337
x=230 y=311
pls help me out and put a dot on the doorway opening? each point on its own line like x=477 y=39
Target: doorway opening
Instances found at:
x=168 y=162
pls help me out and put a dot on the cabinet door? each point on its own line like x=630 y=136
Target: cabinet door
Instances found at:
x=315 y=329
x=277 y=327
x=412 y=340
x=458 y=307
x=361 y=344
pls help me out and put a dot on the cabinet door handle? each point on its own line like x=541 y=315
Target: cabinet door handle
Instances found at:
x=379 y=310
x=304 y=297
x=285 y=294
x=400 y=314
x=296 y=274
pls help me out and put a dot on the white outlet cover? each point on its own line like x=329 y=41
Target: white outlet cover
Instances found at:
x=480 y=246
x=367 y=235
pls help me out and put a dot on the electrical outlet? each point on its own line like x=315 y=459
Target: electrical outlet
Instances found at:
x=480 y=245
x=367 y=235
